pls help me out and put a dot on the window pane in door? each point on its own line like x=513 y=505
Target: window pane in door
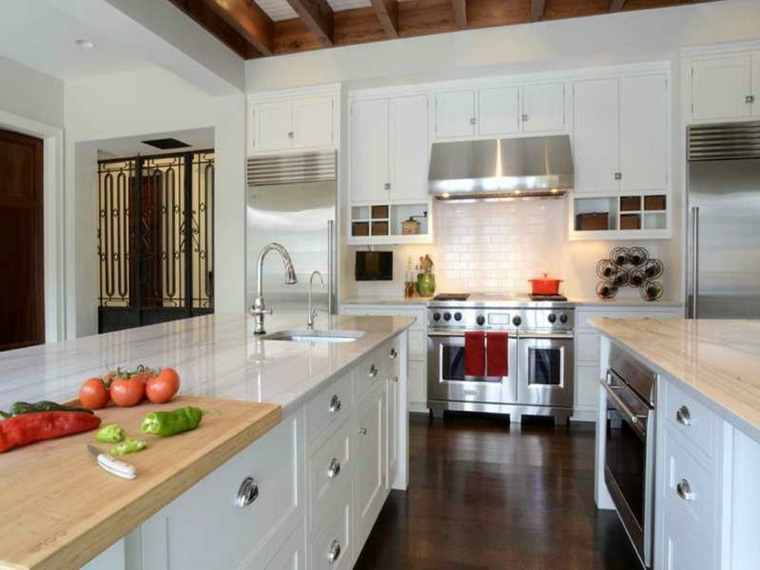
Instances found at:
x=545 y=366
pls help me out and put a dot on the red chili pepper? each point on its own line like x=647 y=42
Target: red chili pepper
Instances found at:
x=37 y=426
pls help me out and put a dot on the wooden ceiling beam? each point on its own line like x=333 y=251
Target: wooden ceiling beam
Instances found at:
x=537 y=9
x=318 y=17
x=199 y=11
x=616 y=5
x=387 y=13
x=249 y=20
x=460 y=13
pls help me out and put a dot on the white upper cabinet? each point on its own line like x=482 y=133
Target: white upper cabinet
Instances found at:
x=490 y=112
x=455 y=114
x=722 y=87
x=299 y=123
x=499 y=111
x=409 y=149
x=643 y=133
x=596 y=136
x=543 y=108
x=369 y=151
x=621 y=134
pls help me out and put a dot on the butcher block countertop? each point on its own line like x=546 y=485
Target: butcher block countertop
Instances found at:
x=60 y=509
x=718 y=359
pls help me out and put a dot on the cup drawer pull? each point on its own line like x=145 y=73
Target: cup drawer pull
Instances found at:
x=334 y=552
x=683 y=490
x=248 y=493
x=683 y=416
x=334 y=468
x=335 y=404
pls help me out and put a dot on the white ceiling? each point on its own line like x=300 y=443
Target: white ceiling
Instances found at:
x=41 y=36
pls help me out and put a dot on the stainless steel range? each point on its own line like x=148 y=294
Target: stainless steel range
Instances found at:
x=534 y=374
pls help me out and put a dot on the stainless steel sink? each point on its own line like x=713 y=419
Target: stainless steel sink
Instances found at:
x=305 y=335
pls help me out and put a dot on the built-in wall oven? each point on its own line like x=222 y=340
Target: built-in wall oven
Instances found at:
x=629 y=447
x=539 y=357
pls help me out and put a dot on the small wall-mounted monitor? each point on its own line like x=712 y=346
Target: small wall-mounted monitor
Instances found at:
x=374 y=266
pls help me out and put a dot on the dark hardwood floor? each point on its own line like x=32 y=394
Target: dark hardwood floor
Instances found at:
x=484 y=494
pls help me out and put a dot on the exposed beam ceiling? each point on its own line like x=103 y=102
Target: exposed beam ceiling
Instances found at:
x=387 y=13
x=318 y=17
x=537 y=9
x=460 y=13
x=616 y=5
x=317 y=26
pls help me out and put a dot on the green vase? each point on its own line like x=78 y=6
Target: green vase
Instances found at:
x=426 y=284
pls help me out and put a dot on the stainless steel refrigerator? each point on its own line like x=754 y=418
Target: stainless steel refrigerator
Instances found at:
x=723 y=245
x=291 y=199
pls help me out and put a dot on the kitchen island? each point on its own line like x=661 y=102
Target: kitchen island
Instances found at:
x=327 y=394
x=707 y=436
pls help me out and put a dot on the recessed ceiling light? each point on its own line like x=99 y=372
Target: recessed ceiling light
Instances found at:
x=85 y=44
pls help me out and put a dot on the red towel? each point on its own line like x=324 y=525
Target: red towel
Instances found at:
x=497 y=354
x=474 y=353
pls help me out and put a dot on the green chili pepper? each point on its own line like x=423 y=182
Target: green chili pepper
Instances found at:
x=19 y=408
x=112 y=433
x=170 y=423
x=129 y=445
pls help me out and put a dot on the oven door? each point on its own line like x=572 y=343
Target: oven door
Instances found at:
x=629 y=462
x=447 y=380
x=545 y=370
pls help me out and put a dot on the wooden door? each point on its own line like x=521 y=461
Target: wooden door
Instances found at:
x=313 y=122
x=410 y=149
x=22 y=308
x=719 y=88
x=455 y=114
x=499 y=111
x=273 y=127
x=369 y=151
x=543 y=108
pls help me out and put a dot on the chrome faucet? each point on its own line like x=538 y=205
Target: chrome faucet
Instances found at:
x=313 y=312
x=259 y=309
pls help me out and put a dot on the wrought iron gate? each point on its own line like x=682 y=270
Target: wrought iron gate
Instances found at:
x=155 y=239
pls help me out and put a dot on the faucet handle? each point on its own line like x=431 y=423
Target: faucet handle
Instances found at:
x=260 y=311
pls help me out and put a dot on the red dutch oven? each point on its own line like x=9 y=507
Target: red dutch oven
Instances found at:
x=545 y=285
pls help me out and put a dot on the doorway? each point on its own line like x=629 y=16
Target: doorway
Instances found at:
x=155 y=239
x=22 y=302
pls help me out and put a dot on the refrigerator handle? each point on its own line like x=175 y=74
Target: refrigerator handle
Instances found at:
x=330 y=266
x=694 y=289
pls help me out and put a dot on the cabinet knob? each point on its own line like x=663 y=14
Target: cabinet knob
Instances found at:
x=683 y=416
x=362 y=431
x=334 y=552
x=334 y=468
x=473 y=121
x=683 y=490
x=387 y=186
x=525 y=118
x=395 y=378
x=618 y=176
x=372 y=371
x=749 y=99
x=247 y=493
x=335 y=404
x=290 y=134
x=393 y=353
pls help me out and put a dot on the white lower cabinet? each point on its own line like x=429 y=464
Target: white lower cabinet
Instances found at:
x=307 y=493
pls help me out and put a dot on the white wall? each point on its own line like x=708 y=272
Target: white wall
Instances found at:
x=141 y=103
x=32 y=103
x=623 y=37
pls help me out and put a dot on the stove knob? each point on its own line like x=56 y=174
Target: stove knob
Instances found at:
x=457 y=316
x=552 y=318
x=436 y=316
x=446 y=316
x=517 y=320
x=563 y=318
x=481 y=320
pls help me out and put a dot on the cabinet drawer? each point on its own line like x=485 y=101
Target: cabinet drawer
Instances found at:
x=694 y=516
x=587 y=347
x=179 y=535
x=690 y=418
x=373 y=370
x=333 y=402
x=331 y=546
x=330 y=473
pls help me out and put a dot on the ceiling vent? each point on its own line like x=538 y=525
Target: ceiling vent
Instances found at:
x=167 y=144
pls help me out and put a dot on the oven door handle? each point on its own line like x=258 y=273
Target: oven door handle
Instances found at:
x=440 y=334
x=632 y=417
x=545 y=336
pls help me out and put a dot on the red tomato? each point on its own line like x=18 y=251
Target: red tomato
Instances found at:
x=127 y=392
x=93 y=394
x=162 y=387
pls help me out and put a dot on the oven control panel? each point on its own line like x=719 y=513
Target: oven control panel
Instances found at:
x=523 y=318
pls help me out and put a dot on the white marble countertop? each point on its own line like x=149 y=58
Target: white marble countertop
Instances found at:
x=216 y=356
x=579 y=301
x=718 y=359
x=383 y=300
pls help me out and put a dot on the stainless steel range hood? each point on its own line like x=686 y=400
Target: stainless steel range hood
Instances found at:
x=540 y=167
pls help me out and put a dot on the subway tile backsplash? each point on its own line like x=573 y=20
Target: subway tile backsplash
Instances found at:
x=498 y=246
